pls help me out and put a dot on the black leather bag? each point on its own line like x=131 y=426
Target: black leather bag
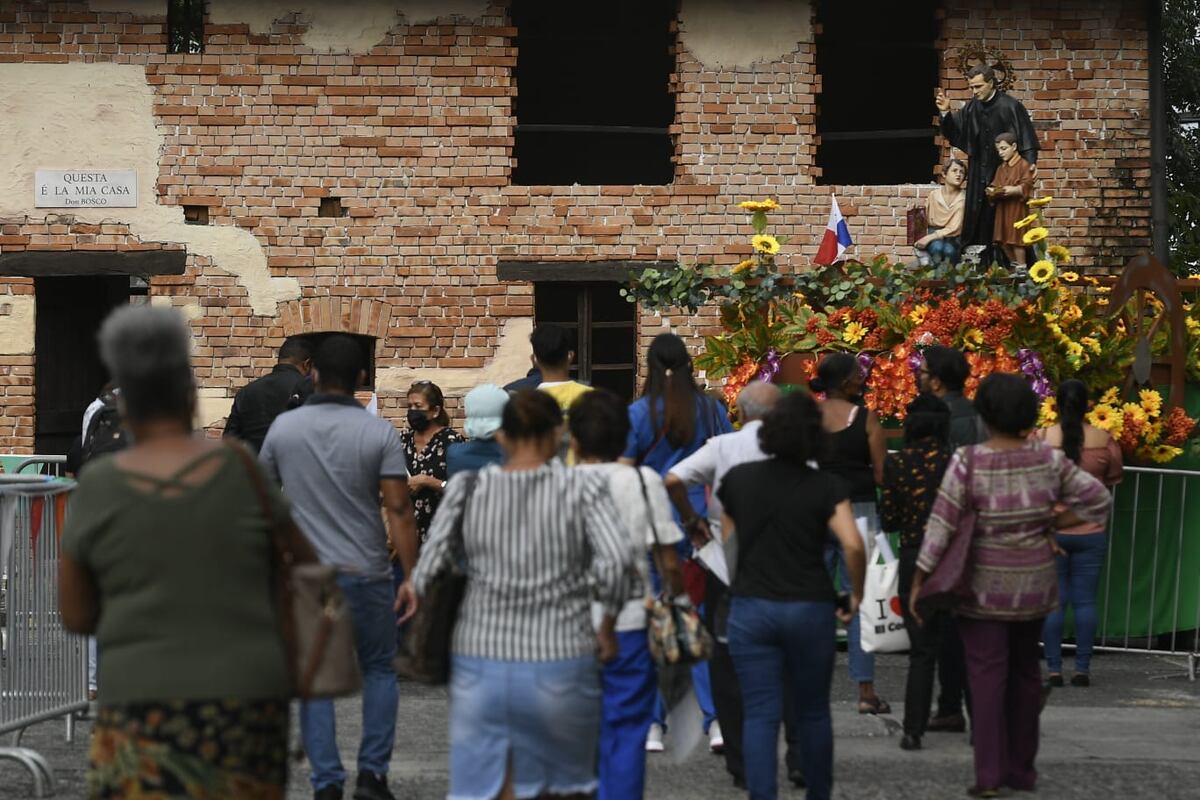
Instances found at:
x=425 y=656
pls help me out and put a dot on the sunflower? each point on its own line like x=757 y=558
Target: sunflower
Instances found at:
x=742 y=266
x=1193 y=325
x=1042 y=271
x=854 y=333
x=918 y=314
x=1074 y=349
x=1034 y=235
x=972 y=339
x=1025 y=222
x=1070 y=277
x=1048 y=412
x=1091 y=343
x=1111 y=396
x=1060 y=254
x=1162 y=453
x=1151 y=401
x=764 y=243
x=1135 y=411
x=1106 y=418
x=759 y=205
x=1071 y=313
x=1039 y=202
x=1154 y=432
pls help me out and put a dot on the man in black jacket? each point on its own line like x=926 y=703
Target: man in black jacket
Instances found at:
x=258 y=403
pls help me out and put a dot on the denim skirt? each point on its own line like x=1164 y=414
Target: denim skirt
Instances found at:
x=543 y=717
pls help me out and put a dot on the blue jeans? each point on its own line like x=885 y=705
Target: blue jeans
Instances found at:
x=771 y=642
x=1078 y=581
x=370 y=601
x=630 y=689
x=943 y=250
x=862 y=664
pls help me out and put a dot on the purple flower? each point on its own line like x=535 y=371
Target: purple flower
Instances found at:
x=865 y=362
x=770 y=366
x=1032 y=366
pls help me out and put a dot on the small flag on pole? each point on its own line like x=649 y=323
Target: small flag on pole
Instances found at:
x=837 y=236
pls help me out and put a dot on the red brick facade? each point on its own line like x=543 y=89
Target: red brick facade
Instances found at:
x=414 y=138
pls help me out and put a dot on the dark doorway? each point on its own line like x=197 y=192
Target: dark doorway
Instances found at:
x=68 y=374
x=603 y=327
x=594 y=100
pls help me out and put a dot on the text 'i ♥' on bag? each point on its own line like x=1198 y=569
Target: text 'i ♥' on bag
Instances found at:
x=879 y=615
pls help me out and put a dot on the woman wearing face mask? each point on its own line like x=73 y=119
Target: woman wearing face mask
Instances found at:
x=426 y=441
x=855 y=452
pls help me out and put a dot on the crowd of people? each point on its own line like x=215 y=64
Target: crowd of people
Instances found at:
x=568 y=511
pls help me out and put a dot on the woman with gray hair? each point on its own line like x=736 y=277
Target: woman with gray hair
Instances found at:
x=167 y=560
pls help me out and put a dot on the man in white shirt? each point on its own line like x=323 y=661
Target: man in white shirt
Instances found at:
x=707 y=466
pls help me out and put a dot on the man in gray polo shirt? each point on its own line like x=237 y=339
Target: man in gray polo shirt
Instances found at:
x=334 y=460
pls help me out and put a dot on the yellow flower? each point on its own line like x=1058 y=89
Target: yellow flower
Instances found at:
x=1060 y=254
x=1034 y=235
x=1071 y=313
x=1193 y=325
x=1042 y=271
x=1050 y=317
x=1070 y=277
x=1074 y=349
x=1136 y=411
x=1154 y=432
x=973 y=338
x=1048 y=412
x=1103 y=301
x=1151 y=401
x=764 y=243
x=854 y=333
x=1056 y=329
x=759 y=205
x=742 y=266
x=1041 y=201
x=1111 y=396
x=918 y=314
x=1025 y=222
x=1162 y=453
x=1106 y=418
x=1091 y=343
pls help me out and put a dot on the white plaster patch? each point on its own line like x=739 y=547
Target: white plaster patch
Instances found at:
x=740 y=33
x=17 y=324
x=353 y=26
x=509 y=361
x=188 y=306
x=139 y=8
x=212 y=406
x=99 y=116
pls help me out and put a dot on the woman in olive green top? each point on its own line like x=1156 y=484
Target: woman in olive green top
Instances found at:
x=168 y=561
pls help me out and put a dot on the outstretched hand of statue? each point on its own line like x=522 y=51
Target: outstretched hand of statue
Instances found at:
x=941 y=101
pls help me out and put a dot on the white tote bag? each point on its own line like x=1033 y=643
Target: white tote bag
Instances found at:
x=879 y=616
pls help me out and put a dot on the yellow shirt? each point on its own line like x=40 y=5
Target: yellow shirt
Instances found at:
x=565 y=393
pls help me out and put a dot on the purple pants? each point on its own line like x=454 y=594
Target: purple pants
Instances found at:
x=1006 y=686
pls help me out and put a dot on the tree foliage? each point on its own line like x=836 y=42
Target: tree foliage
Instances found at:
x=1181 y=76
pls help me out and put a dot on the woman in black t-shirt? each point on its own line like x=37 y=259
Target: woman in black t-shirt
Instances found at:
x=781 y=619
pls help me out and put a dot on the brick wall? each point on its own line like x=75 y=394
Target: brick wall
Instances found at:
x=414 y=137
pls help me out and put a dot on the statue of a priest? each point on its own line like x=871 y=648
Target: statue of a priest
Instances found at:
x=974 y=129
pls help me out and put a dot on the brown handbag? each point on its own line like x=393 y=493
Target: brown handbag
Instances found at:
x=318 y=633
x=917 y=223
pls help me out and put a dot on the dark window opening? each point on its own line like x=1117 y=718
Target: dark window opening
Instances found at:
x=330 y=207
x=594 y=99
x=195 y=215
x=603 y=326
x=878 y=74
x=365 y=343
x=185 y=26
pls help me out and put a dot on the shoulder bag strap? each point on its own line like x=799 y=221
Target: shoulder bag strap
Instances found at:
x=284 y=557
x=458 y=547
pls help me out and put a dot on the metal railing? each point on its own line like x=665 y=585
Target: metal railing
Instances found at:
x=43 y=667
x=34 y=464
x=1150 y=588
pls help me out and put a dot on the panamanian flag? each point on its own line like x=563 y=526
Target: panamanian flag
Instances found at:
x=837 y=236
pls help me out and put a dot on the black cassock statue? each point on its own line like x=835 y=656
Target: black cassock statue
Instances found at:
x=973 y=129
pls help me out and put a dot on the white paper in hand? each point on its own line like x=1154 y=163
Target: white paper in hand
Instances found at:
x=712 y=555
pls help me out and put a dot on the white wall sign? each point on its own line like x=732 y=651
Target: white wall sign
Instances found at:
x=85 y=188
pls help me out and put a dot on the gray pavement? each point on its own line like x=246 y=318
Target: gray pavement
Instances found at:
x=1135 y=733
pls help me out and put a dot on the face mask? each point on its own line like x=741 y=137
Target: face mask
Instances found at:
x=418 y=420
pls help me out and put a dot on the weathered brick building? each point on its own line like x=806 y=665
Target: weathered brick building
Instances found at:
x=434 y=174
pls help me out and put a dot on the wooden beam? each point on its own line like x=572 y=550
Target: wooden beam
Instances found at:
x=60 y=263
x=595 y=271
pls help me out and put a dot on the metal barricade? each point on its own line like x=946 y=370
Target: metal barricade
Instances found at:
x=1149 y=599
x=33 y=464
x=43 y=667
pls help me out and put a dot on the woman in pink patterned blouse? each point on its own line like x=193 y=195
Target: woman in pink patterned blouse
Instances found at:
x=1015 y=486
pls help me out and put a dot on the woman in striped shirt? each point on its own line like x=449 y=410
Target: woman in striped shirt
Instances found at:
x=536 y=538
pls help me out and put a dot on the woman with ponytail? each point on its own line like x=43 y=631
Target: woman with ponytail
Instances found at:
x=1083 y=546
x=855 y=453
x=671 y=420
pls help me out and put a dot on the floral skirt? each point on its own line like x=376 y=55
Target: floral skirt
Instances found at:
x=190 y=749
